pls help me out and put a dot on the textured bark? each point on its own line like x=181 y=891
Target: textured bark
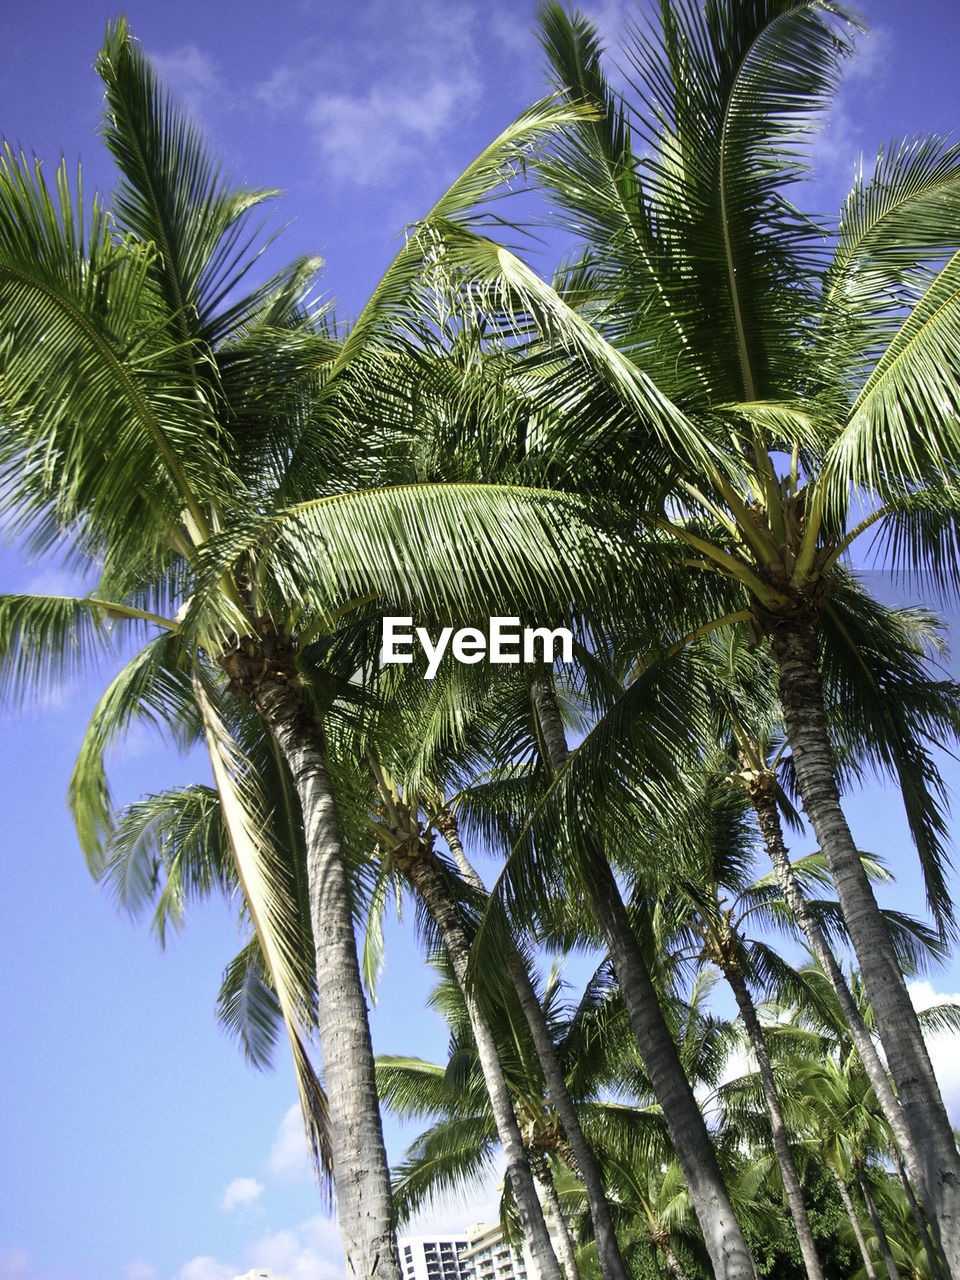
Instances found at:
x=885 y=1250
x=584 y=1164
x=763 y=797
x=781 y=1142
x=360 y=1172
x=795 y=649
x=855 y=1224
x=564 y=1238
x=672 y=1261
x=722 y=1236
x=934 y=1262
x=430 y=881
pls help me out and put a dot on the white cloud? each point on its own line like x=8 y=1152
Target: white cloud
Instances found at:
x=368 y=139
x=924 y=996
x=289 y=1159
x=191 y=75
x=281 y=91
x=138 y=1270
x=610 y=18
x=449 y=1214
x=419 y=88
x=942 y=1045
x=311 y=1251
x=838 y=151
x=516 y=38
x=241 y=1191
x=206 y=1268
x=872 y=59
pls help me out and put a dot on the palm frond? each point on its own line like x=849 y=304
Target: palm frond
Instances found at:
x=278 y=924
x=247 y=1006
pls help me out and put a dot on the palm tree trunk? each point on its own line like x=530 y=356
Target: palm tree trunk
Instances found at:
x=762 y=790
x=885 y=1251
x=430 y=881
x=565 y=1239
x=795 y=649
x=722 y=1236
x=585 y=1166
x=916 y=1213
x=763 y=796
x=671 y=1259
x=848 y=1204
x=360 y=1172
x=778 y=1128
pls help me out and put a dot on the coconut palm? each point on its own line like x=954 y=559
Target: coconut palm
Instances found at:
x=410 y=851
x=725 y=1242
x=579 y=1157
x=887 y=709
x=541 y=731
x=449 y=729
x=212 y=452
x=462 y=1136
x=748 y=388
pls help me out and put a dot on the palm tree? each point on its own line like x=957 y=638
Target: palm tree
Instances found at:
x=579 y=1157
x=715 y=890
x=493 y=720
x=546 y=739
x=463 y=1134
x=653 y=1202
x=410 y=852
x=208 y=449
x=876 y=654
x=739 y=388
x=725 y=1242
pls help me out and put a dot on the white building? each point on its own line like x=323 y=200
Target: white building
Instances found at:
x=489 y=1257
x=432 y=1257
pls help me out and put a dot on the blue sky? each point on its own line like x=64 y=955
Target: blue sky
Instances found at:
x=139 y=1146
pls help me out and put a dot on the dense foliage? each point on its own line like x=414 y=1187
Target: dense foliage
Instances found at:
x=669 y=450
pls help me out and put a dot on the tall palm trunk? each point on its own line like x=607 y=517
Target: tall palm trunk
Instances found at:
x=916 y=1213
x=778 y=1128
x=430 y=881
x=722 y=1236
x=671 y=1259
x=585 y=1166
x=848 y=1204
x=762 y=789
x=885 y=1251
x=795 y=649
x=565 y=1243
x=360 y=1172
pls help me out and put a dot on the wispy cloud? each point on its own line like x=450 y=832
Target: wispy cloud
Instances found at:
x=386 y=106
x=241 y=1191
x=15 y=1264
x=289 y=1159
x=139 y=1270
x=837 y=151
x=311 y=1251
x=942 y=1045
x=308 y=1251
x=207 y=1268
x=368 y=140
x=191 y=75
